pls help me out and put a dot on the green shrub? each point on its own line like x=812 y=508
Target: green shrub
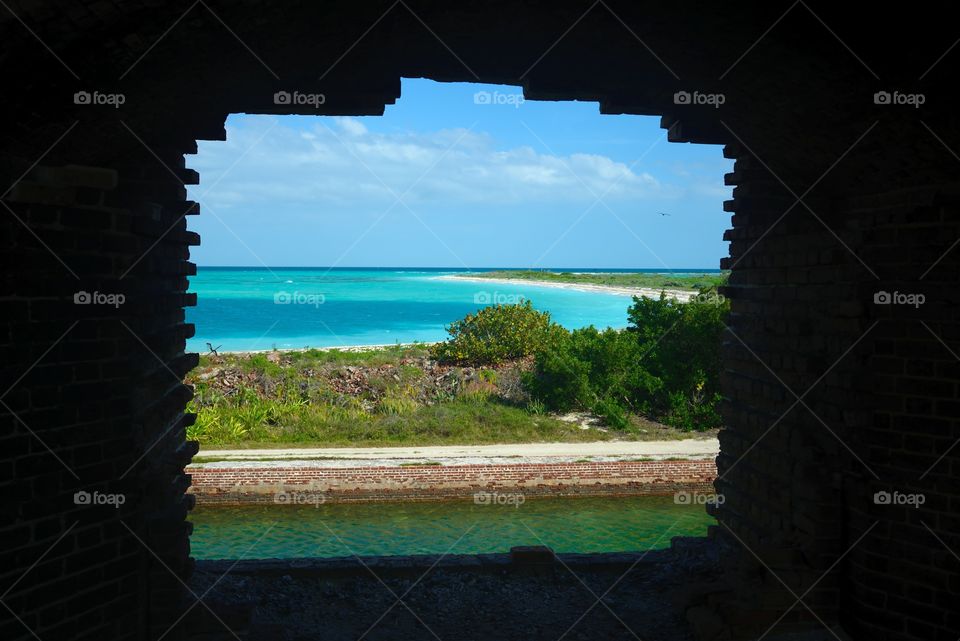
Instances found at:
x=496 y=334
x=693 y=413
x=666 y=365
x=612 y=413
x=560 y=380
x=680 y=347
x=588 y=365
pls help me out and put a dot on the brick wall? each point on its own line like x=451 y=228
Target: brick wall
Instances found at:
x=795 y=341
x=94 y=401
x=99 y=406
x=904 y=577
x=261 y=484
x=877 y=409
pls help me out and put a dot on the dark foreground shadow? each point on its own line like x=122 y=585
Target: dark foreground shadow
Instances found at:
x=526 y=595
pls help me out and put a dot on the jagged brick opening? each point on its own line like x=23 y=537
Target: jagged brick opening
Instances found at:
x=831 y=398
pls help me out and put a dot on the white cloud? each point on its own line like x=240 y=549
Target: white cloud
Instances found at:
x=351 y=126
x=340 y=162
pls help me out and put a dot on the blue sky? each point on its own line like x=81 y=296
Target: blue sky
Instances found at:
x=459 y=175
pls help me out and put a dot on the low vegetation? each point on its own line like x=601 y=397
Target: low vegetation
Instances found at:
x=507 y=374
x=664 y=366
x=496 y=334
x=394 y=396
x=680 y=281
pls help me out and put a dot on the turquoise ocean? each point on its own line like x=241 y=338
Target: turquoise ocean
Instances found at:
x=249 y=308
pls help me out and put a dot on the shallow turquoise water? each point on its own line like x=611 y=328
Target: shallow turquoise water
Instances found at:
x=454 y=527
x=259 y=308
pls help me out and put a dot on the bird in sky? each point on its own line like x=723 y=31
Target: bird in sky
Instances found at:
x=662 y=213
x=213 y=350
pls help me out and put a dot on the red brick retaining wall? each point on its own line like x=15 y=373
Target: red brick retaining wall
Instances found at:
x=429 y=482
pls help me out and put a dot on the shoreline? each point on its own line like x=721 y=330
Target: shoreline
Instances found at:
x=650 y=292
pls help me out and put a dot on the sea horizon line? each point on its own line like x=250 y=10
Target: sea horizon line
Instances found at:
x=467 y=269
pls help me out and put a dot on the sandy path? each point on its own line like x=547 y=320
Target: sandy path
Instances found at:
x=466 y=454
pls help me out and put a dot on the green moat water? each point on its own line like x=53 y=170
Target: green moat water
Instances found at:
x=452 y=527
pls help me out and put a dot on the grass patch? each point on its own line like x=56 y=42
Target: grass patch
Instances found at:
x=456 y=422
x=395 y=396
x=643 y=429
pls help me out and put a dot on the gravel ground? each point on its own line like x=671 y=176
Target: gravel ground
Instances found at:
x=559 y=601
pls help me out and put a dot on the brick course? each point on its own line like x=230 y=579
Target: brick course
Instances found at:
x=259 y=484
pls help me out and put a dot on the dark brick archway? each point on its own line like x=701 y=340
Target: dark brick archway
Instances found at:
x=831 y=398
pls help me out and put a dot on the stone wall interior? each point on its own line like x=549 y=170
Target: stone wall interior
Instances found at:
x=842 y=358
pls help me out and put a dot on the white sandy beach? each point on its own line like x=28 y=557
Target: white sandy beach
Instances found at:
x=681 y=295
